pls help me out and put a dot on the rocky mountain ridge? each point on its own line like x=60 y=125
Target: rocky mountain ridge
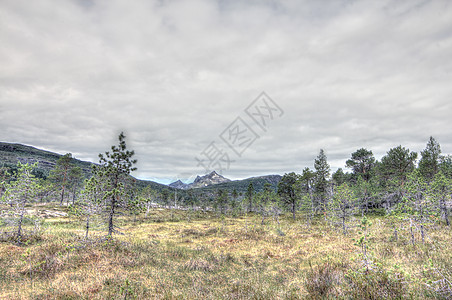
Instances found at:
x=212 y=178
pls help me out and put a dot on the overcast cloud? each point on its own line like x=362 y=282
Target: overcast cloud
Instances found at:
x=174 y=74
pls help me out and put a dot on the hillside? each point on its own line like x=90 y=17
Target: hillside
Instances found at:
x=11 y=154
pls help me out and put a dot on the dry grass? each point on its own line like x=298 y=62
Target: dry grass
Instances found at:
x=169 y=256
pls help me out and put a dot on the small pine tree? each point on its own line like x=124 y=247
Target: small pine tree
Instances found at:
x=430 y=158
x=113 y=169
x=90 y=204
x=23 y=190
x=264 y=201
x=222 y=200
x=343 y=205
x=416 y=205
x=440 y=191
x=250 y=196
x=322 y=173
x=60 y=174
x=289 y=190
x=363 y=242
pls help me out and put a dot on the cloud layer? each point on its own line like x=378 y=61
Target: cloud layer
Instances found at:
x=173 y=75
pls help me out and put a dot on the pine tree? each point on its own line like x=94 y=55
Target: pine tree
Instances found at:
x=147 y=196
x=222 y=200
x=339 y=177
x=234 y=204
x=250 y=196
x=75 y=181
x=440 y=191
x=307 y=191
x=264 y=201
x=430 y=158
x=416 y=205
x=322 y=173
x=4 y=177
x=23 y=190
x=113 y=169
x=91 y=204
x=362 y=191
x=288 y=190
x=393 y=171
x=343 y=204
x=396 y=165
x=59 y=175
x=362 y=161
x=445 y=166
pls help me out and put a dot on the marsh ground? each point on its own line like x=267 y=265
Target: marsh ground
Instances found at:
x=194 y=255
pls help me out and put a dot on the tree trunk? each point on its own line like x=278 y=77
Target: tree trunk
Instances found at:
x=73 y=197
x=62 y=196
x=445 y=211
x=422 y=233
x=148 y=207
x=87 y=227
x=110 y=218
x=343 y=225
x=64 y=185
x=293 y=210
x=19 y=227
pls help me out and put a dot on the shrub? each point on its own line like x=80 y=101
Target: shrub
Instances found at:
x=375 y=284
x=320 y=281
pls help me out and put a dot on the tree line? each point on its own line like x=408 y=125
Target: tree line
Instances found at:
x=397 y=186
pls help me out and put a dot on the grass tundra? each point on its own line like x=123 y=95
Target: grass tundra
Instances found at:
x=200 y=255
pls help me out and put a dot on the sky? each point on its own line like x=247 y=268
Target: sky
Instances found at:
x=247 y=88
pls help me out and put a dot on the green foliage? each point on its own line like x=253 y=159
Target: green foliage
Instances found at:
x=440 y=193
x=222 y=201
x=288 y=190
x=339 y=177
x=249 y=196
x=445 y=166
x=396 y=165
x=363 y=242
x=377 y=283
x=20 y=192
x=322 y=173
x=113 y=170
x=342 y=205
x=362 y=161
x=430 y=156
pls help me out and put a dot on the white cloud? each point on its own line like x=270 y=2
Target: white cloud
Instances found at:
x=174 y=74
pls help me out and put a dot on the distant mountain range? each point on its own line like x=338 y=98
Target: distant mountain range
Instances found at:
x=201 y=181
x=214 y=181
x=11 y=154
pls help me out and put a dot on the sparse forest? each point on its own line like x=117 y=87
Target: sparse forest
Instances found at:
x=375 y=229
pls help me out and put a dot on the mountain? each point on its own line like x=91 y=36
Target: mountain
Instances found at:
x=208 y=184
x=241 y=186
x=179 y=185
x=11 y=154
x=213 y=178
